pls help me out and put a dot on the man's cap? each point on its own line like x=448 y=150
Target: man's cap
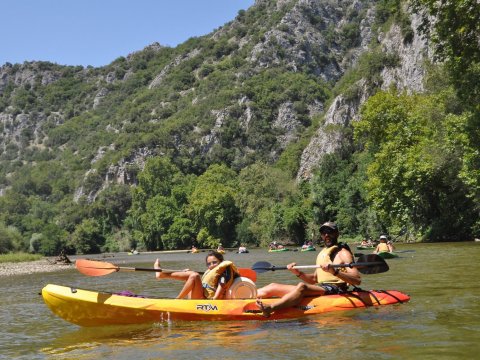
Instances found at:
x=330 y=225
x=383 y=237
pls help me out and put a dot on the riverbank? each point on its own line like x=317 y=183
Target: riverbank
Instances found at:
x=31 y=267
x=55 y=264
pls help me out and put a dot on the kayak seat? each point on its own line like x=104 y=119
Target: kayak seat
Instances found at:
x=242 y=288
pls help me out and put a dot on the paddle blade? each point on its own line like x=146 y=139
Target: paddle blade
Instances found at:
x=95 y=268
x=262 y=266
x=248 y=273
x=371 y=264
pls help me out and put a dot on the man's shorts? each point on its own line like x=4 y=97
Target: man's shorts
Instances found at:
x=332 y=289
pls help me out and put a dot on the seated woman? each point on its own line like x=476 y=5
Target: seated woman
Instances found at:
x=212 y=285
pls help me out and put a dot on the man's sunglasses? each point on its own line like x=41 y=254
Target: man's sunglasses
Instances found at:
x=327 y=231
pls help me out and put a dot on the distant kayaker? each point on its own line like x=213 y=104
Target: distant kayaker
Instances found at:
x=383 y=246
x=242 y=249
x=212 y=285
x=324 y=281
x=220 y=249
x=365 y=243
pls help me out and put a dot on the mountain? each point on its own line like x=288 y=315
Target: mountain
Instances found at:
x=280 y=85
x=201 y=101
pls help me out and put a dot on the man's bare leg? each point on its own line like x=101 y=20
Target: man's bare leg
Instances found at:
x=291 y=298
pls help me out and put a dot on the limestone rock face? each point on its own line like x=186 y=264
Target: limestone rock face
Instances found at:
x=408 y=75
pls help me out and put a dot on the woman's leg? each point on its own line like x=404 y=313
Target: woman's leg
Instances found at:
x=193 y=286
x=176 y=275
x=193 y=281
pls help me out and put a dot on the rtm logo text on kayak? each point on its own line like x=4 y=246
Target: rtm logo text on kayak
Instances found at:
x=207 y=307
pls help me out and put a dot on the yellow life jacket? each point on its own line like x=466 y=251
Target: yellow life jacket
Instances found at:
x=383 y=247
x=324 y=258
x=211 y=277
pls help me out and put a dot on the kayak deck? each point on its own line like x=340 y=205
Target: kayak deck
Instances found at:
x=93 y=308
x=387 y=255
x=278 y=250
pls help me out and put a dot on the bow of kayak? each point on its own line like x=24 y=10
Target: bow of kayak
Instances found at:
x=387 y=255
x=94 y=308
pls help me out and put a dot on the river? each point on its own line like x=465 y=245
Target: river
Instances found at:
x=442 y=320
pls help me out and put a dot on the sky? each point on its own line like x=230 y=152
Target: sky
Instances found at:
x=96 y=32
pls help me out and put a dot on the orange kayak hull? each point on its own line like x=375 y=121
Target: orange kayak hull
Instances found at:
x=93 y=308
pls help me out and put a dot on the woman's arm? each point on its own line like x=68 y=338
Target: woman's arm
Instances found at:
x=220 y=292
x=223 y=280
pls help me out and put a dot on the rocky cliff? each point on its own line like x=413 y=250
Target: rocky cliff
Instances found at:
x=407 y=75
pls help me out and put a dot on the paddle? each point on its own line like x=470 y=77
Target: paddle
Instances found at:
x=366 y=264
x=101 y=268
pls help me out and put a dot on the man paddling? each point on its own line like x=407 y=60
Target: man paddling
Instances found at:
x=324 y=281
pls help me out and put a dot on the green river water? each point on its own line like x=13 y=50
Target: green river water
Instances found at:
x=442 y=320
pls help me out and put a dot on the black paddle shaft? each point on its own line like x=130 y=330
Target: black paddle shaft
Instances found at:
x=366 y=264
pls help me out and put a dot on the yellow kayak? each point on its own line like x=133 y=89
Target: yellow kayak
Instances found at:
x=94 y=308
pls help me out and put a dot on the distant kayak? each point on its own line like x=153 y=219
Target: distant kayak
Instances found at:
x=310 y=248
x=387 y=255
x=278 y=250
x=100 y=308
x=365 y=247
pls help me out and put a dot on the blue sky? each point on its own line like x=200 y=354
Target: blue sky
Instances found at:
x=96 y=32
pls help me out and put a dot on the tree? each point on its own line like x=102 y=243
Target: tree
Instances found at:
x=414 y=178
x=159 y=215
x=180 y=234
x=156 y=201
x=111 y=206
x=454 y=27
x=52 y=240
x=87 y=237
x=10 y=239
x=212 y=204
x=271 y=205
